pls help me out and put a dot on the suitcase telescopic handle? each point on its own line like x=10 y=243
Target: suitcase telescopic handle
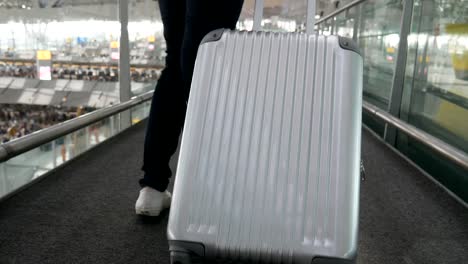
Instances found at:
x=310 y=22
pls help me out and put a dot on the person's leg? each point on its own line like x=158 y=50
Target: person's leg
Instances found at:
x=202 y=17
x=168 y=106
x=169 y=102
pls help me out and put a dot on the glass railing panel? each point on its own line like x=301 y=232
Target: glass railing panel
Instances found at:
x=147 y=108
x=346 y=22
x=115 y=125
x=375 y=25
x=437 y=71
x=436 y=86
x=99 y=132
x=137 y=114
x=24 y=168
x=61 y=150
x=378 y=38
x=79 y=142
x=31 y=165
x=327 y=27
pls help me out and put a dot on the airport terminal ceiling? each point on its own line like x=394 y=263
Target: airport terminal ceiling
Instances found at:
x=73 y=10
x=27 y=25
x=289 y=8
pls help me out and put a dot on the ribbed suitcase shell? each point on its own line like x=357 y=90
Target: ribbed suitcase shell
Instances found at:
x=269 y=163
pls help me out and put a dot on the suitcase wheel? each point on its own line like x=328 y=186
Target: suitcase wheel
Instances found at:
x=178 y=257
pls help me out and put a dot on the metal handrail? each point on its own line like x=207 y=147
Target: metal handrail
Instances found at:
x=31 y=141
x=457 y=156
x=336 y=12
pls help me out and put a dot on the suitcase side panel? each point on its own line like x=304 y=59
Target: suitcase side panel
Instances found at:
x=269 y=164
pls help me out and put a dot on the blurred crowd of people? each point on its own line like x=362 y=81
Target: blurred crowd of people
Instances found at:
x=144 y=75
x=19 y=120
x=88 y=74
x=10 y=70
x=102 y=74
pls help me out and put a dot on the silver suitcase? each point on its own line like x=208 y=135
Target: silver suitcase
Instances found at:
x=269 y=163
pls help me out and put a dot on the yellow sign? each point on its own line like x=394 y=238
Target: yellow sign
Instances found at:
x=114 y=45
x=453 y=118
x=44 y=55
x=457 y=29
x=151 y=39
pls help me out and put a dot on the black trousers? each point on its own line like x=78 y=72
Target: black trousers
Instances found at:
x=185 y=22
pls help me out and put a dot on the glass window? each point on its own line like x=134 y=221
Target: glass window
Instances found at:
x=56 y=57
x=284 y=15
x=327 y=27
x=378 y=38
x=375 y=25
x=436 y=86
x=246 y=16
x=31 y=165
x=346 y=22
x=147 y=45
x=438 y=70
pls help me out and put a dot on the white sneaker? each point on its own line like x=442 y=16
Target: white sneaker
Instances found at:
x=151 y=202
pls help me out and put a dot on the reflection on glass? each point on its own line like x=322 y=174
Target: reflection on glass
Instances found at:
x=22 y=169
x=140 y=112
x=284 y=15
x=137 y=114
x=378 y=38
x=246 y=17
x=61 y=152
x=55 y=58
x=327 y=28
x=436 y=87
x=435 y=94
x=345 y=23
x=375 y=25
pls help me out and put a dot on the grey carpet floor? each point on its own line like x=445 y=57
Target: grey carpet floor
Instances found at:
x=84 y=213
